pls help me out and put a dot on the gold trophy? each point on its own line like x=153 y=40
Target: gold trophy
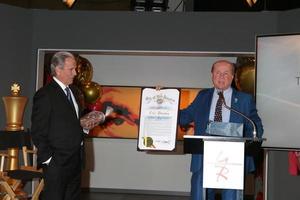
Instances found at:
x=14 y=109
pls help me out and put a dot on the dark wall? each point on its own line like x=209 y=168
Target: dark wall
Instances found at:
x=288 y=22
x=151 y=31
x=15 y=53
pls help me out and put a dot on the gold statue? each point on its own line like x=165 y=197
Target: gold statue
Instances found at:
x=14 y=109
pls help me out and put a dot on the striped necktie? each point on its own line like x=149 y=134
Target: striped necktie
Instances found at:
x=69 y=95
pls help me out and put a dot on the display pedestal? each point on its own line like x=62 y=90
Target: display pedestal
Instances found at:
x=223 y=159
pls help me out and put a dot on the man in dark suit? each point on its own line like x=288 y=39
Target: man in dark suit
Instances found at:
x=57 y=132
x=203 y=109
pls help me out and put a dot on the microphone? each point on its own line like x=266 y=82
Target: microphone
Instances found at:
x=255 y=138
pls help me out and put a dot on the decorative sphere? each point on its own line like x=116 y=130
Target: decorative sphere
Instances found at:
x=95 y=106
x=245 y=74
x=244 y=79
x=92 y=92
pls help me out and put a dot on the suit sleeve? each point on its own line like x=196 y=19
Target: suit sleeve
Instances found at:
x=186 y=115
x=40 y=120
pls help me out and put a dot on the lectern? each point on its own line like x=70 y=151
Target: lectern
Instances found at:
x=223 y=158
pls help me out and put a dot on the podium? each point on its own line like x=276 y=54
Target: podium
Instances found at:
x=223 y=158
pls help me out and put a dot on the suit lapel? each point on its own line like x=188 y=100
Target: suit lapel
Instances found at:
x=63 y=97
x=76 y=94
x=235 y=104
x=208 y=103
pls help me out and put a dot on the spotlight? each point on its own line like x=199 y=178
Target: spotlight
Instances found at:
x=251 y=2
x=69 y=3
x=149 y=5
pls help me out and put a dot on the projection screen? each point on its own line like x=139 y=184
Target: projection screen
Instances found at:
x=278 y=89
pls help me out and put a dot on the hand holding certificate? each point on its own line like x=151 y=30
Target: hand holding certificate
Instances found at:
x=94 y=118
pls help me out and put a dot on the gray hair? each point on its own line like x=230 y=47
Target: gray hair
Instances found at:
x=58 y=60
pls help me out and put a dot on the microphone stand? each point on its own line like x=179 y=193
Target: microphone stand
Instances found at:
x=255 y=138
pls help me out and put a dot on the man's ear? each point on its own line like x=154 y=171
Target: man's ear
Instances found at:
x=57 y=71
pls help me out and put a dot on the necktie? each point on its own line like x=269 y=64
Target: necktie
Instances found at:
x=218 y=111
x=69 y=94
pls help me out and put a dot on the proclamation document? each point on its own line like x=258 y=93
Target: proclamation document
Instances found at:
x=158 y=119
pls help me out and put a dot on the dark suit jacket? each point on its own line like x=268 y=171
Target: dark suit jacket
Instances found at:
x=55 y=128
x=198 y=112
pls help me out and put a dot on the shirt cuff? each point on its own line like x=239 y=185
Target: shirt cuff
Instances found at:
x=86 y=131
x=47 y=161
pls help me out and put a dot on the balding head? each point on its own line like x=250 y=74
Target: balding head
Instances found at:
x=222 y=73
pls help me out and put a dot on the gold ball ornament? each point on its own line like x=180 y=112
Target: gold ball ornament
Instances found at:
x=245 y=74
x=92 y=92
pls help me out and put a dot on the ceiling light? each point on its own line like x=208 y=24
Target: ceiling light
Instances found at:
x=69 y=3
x=251 y=2
x=149 y=5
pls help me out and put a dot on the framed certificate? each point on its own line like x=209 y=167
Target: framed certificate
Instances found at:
x=158 y=119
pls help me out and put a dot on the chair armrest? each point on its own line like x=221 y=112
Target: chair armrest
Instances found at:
x=3 y=156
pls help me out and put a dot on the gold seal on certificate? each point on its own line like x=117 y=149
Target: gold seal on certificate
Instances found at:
x=158 y=119
x=148 y=142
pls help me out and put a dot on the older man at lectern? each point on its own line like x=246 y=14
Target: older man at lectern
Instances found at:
x=208 y=107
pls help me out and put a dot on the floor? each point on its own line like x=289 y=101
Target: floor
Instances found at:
x=122 y=196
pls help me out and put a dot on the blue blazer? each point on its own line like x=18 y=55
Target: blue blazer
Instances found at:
x=198 y=112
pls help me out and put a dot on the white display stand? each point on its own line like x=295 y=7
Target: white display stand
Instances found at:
x=223 y=158
x=223 y=164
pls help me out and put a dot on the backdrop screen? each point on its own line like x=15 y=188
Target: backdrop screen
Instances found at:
x=278 y=89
